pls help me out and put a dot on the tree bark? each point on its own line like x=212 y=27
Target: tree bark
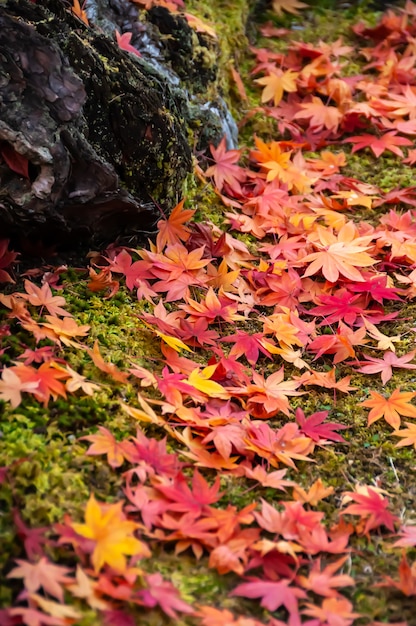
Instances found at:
x=92 y=139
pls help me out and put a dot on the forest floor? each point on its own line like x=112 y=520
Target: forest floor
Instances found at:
x=218 y=429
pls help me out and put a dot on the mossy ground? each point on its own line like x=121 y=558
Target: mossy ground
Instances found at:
x=50 y=475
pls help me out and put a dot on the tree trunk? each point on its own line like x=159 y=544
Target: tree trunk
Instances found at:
x=92 y=139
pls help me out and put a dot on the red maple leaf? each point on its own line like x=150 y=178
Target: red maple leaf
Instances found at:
x=123 y=42
x=152 y=456
x=14 y=160
x=390 y=141
x=33 y=538
x=339 y=307
x=408 y=537
x=133 y=272
x=183 y=499
x=371 y=507
x=7 y=257
x=407 y=578
x=376 y=288
x=314 y=427
x=248 y=345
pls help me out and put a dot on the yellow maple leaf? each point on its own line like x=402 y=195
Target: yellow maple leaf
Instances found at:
x=339 y=255
x=200 y=379
x=112 y=533
x=276 y=84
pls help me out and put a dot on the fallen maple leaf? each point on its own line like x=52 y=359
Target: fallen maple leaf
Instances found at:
x=199 y=26
x=15 y=161
x=320 y=115
x=200 y=380
x=42 y=574
x=123 y=42
x=43 y=297
x=391 y=408
x=339 y=255
x=66 y=329
x=315 y=493
x=374 y=365
x=225 y=169
x=104 y=442
x=378 y=145
x=12 y=387
x=172 y=229
x=371 y=507
x=273 y=594
x=33 y=538
x=276 y=83
x=112 y=533
x=86 y=588
x=315 y=428
x=324 y=582
x=290 y=6
x=104 y=366
x=334 y=612
x=60 y=611
x=407 y=578
x=77 y=381
x=162 y=593
x=79 y=11
x=408 y=435
x=7 y=257
x=183 y=499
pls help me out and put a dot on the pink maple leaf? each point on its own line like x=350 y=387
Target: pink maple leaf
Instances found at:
x=163 y=593
x=373 y=365
x=273 y=594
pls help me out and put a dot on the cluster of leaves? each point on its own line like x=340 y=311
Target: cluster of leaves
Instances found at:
x=244 y=332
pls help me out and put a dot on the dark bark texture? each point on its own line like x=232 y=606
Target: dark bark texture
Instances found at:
x=91 y=137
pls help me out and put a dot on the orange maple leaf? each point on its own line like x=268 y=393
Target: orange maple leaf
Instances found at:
x=65 y=329
x=268 y=396
x=108 y=368
x=408 y=435
x=48 y=378
x=315 y=493
x=213 y=307
x=290 y=6
x=319 y=115
x=390 y=408
x=333 y=611
x=12 y=386
x=172 y=229
x=79 y=12
x=104 y=442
